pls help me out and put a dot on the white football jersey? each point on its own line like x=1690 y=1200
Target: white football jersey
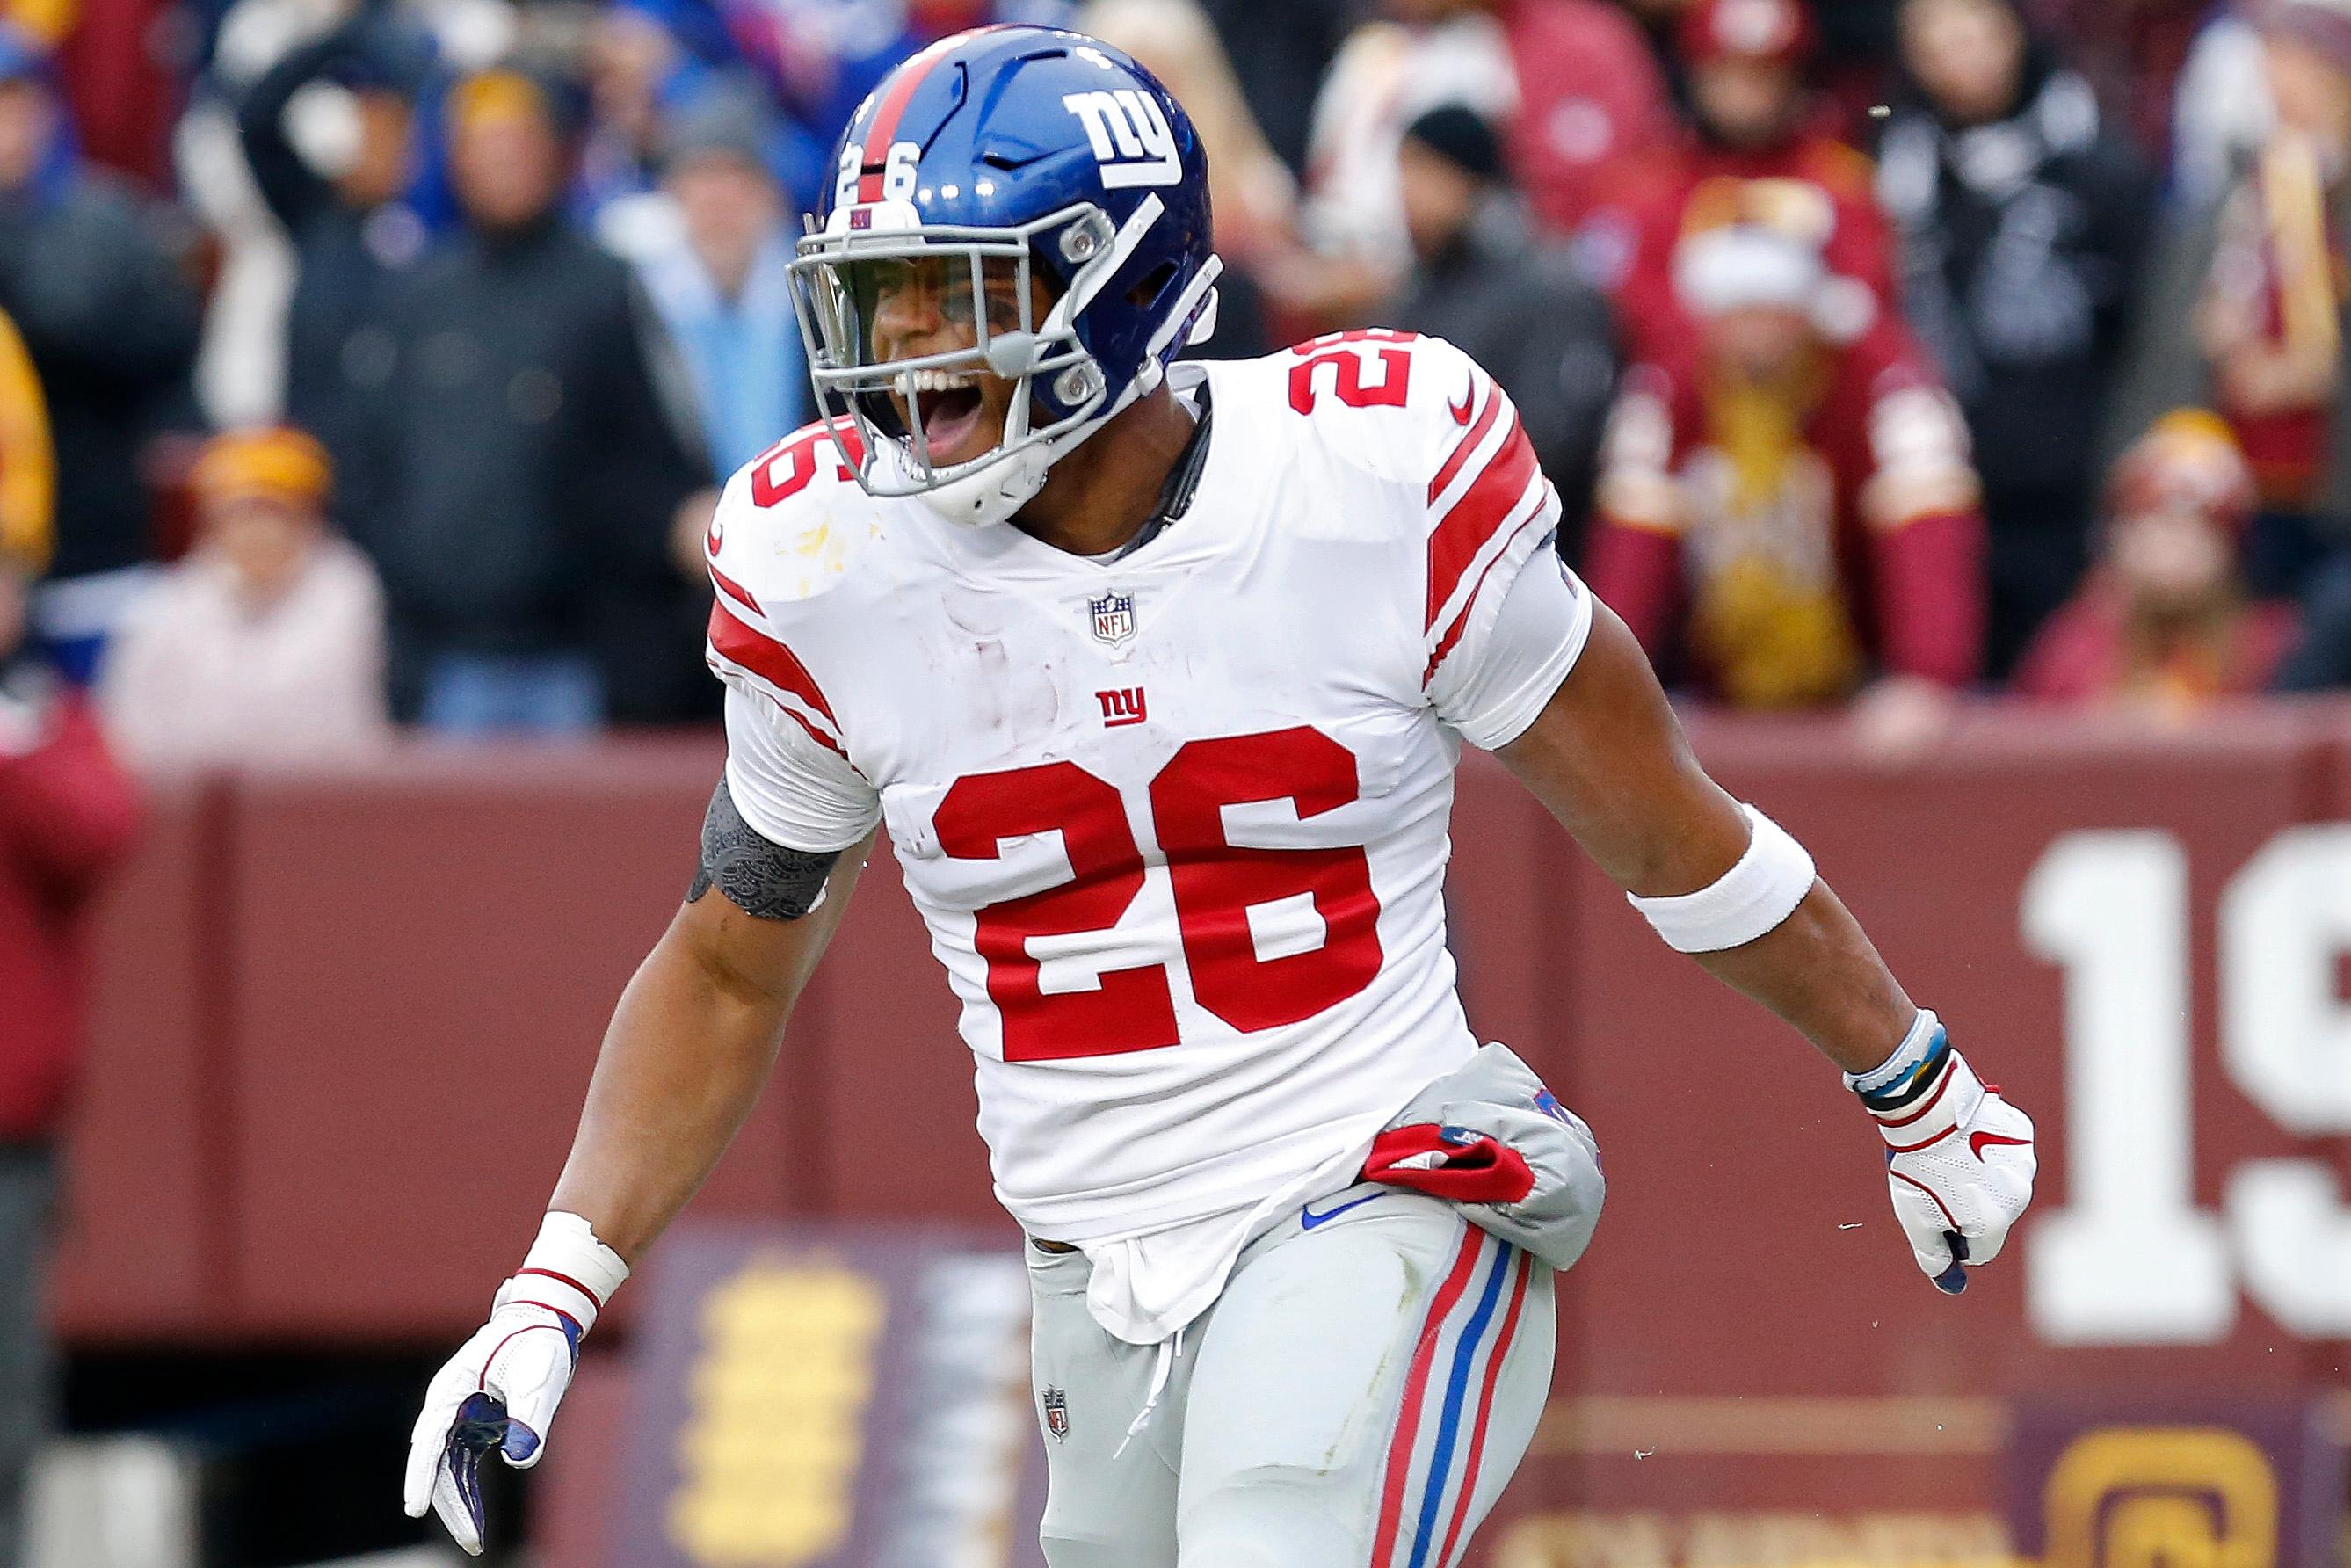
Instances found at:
x=1176 y=820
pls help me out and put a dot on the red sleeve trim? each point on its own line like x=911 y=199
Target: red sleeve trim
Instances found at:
x=775 y=664
x=1461 y=622
x=1469 y=444
x=1481 y=513
x=735 y=591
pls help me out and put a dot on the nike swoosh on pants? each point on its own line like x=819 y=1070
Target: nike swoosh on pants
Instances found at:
x=1308 y=1219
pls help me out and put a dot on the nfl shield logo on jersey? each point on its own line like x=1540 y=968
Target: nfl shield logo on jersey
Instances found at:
x=1057 y=1412
x=1113 y=616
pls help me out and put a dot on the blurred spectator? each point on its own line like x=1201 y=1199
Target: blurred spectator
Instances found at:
x=533 y=472
x=1252 y=195
x=1571 y=79
x=1278 y=53
x=822 y=57
x=1778 y=524
x=28 y=458
x=66 y=817
x=2135 y=53
x=110 y=323
x=351 y=231
x=632 y=60
x=1482 y=281
x=1754 y=122
x=2255 y=275
x=2163 y=623
x=2023 y=224
x=266 y=644
x=717 y=275
x=2320 y=658
x=2222 y=112
x=2245 y=311
x=119 y=75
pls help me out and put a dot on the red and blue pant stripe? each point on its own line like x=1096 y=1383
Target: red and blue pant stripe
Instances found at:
x=1448 y=1402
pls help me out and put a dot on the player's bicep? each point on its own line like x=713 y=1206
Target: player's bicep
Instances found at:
x=761 y=959
x=1607 y=758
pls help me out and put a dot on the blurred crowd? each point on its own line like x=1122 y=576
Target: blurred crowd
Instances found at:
x=367 y=364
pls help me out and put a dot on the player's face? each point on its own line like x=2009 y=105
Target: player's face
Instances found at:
x=926 y=305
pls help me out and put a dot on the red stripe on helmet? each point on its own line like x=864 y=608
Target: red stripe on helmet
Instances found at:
x=892 y=108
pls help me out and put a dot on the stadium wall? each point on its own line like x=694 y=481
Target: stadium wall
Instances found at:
x=346 y=1018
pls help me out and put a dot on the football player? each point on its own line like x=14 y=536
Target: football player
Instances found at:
x=1155 y=673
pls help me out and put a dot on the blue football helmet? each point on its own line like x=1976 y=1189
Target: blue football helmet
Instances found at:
x=1047 y=191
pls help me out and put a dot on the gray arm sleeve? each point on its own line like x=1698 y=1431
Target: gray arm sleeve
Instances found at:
x=758 y=876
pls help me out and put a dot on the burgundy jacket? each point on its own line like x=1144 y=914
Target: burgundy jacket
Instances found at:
x=66 y=815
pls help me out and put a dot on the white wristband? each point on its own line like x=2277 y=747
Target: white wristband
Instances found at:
x=1747 y=900
x=566 y=1271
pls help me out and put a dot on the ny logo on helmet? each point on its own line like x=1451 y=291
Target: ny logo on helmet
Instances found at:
x=1132 y=138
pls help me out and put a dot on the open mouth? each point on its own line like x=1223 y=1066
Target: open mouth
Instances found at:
x=947 y=406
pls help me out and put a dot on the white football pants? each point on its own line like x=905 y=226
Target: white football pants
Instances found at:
x=1359 y=1395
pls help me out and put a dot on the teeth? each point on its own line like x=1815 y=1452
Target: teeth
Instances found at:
x=936 y=380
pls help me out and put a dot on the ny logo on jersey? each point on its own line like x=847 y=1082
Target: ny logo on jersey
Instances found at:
x=1132 y=138
x=1113 y=616
x=1121 y=705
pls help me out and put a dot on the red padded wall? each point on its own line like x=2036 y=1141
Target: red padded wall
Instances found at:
x=425 y=959
x=142 y=1252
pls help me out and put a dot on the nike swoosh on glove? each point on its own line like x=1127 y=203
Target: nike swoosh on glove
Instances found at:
x=499 y=1392
x=1960 y=1159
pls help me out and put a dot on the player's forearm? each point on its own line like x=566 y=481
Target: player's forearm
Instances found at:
x=1608 y=757
x=683 y=1058
x=1818 y=970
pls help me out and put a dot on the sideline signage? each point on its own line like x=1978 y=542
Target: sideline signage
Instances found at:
x=831 y=1397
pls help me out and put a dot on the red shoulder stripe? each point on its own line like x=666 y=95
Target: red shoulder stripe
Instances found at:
x=1461 y=622
x=1469 y=444
x=736 y=591
x=774 y=663
x=1478 y=516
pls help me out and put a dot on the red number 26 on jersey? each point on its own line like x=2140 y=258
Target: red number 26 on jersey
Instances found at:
x=1216 y=885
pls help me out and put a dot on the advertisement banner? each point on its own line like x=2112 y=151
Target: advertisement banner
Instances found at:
x=2116 y=1484
x=831 y=1397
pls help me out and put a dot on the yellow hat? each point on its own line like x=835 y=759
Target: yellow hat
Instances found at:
x=498 y=96
x=277 y=462
x=2188 y=460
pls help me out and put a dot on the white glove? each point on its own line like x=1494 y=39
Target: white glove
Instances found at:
x=1958 y=1158
x=501 y=1389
